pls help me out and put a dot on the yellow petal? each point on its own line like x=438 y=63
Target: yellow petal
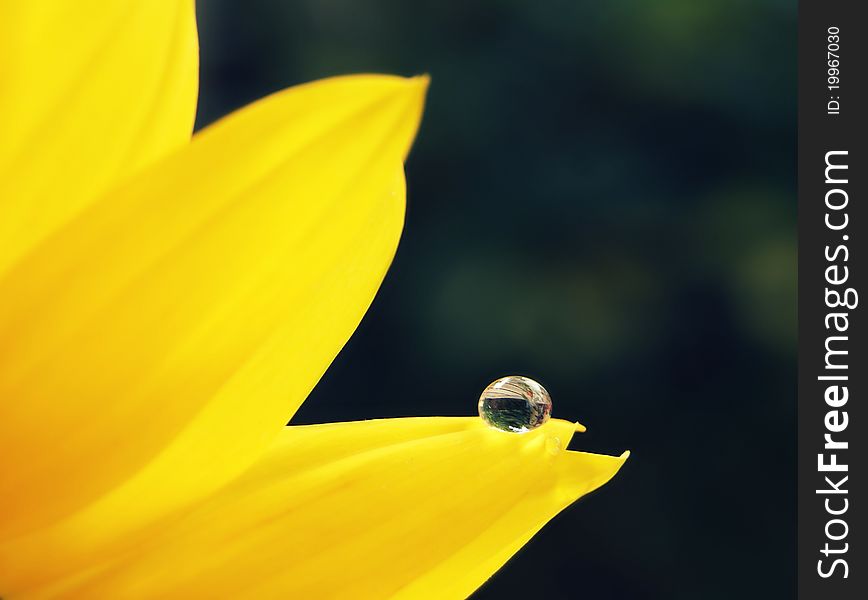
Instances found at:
x=166 y=335
x=89 y=91
x=408 y=508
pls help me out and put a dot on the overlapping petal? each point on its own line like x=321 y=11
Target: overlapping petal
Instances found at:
x=406 y=508
x=165 y=306
x=89 y=91
x=151 y=349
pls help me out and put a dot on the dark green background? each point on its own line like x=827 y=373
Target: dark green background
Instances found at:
x=602 y=196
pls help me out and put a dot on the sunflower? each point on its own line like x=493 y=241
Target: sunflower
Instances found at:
x=168 y=300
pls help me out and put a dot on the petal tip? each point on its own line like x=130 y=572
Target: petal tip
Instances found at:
x=420 y=84
x=580 y=428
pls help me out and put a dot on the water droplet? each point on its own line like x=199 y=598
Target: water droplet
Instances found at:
x=515 y=403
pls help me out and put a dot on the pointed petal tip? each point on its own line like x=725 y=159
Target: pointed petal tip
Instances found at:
x=413 y=90
x=580 y=428
x=420 y=85
x=423 y=80
x=384 y=465
x=415 y=86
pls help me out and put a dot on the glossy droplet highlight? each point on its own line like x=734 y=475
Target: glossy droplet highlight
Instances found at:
x=517 y=404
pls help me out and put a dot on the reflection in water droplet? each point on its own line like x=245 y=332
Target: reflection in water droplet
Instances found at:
x=515 y=403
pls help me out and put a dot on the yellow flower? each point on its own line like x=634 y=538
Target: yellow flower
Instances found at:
x=167 y=303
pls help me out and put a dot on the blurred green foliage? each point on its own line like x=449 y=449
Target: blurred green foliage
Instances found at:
x=602 y=197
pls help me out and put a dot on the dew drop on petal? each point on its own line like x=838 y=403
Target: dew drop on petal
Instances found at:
x=517 y=404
